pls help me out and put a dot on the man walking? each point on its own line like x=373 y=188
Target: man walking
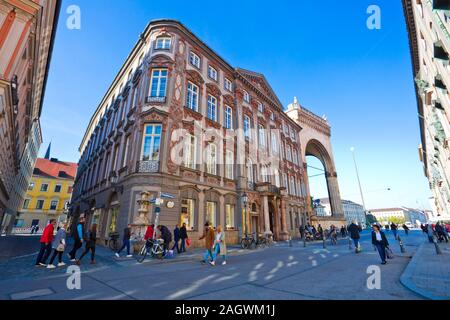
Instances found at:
x=176 y=238
x=183 y=237
x=46 y=244
x=78 y=236
x=166 y=235
x=208 y=235
x=354 y=231
x=125 y=242
x=302 y=231
x=394 y=229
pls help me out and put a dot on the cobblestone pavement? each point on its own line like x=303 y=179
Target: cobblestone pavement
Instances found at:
x=280 y=272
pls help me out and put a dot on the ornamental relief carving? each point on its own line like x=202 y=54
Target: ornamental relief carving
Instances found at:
x=195 y=77
x=228 y=100
x=213 y=89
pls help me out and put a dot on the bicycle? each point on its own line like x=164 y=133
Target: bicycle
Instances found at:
x=154 y=247
x=113 y=242
x=248 y=242
x=264 y=241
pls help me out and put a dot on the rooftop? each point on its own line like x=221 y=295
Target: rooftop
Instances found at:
x=55 y=169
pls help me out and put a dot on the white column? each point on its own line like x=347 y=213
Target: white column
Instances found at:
x=266 y=216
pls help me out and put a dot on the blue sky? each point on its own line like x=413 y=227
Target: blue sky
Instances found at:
x=325 y=55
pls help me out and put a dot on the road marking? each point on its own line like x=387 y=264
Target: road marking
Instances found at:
x=24 y=256
x=31 y=294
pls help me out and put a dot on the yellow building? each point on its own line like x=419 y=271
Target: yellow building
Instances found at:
x=48 y=194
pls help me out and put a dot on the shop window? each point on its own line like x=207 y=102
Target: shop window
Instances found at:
x=229 y=216
x=211 y=213
x=187 y=213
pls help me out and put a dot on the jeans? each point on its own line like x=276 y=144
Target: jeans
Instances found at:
x=126 y=244
x=183 y=245
x=175 y=245
x=44 y=252
x=356 y=242
x=77 y=245
x=217 y=252
x=56 y=253
x=207 y=254
x=91 y=247
x=395 y=233
x=382 y=251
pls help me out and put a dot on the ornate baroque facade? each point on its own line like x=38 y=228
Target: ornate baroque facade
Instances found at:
x=178 y=119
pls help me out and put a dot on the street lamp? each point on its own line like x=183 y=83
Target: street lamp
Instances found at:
x=352 y=149
x=245 y=201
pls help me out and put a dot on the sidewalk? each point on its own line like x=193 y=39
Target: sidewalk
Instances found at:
x=428 y=274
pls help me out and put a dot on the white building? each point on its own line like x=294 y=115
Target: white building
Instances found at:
x=384 y=216
x=352 y=210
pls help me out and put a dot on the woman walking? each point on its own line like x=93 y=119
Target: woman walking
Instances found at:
x=58 y=245
x=183 y=237
x=220 y=246
x=380 y=242
x=90 y=244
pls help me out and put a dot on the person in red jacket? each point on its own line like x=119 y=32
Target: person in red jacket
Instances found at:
x=149 y=233
x=46 y=244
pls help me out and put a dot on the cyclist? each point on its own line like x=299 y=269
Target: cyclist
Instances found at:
x=166 y=235
x=149 y=233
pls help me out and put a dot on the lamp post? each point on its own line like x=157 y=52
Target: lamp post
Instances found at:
x=244 y=225
x=352 y=149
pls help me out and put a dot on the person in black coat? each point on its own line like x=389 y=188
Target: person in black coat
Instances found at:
x=176 y=238
x=354 y=231
x=302 y=231
x=379 y=240
x=183 y=237
x=166 y=235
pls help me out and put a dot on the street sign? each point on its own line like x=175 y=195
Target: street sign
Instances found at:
x=167 y=195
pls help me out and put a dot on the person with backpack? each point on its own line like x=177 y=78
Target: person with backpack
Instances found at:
x=354 y=229
x=380 y=242
x=78 y=236
x=46 y=244
x=91 y=239
x=58 y=245
x=126 y=242
x=183 y=237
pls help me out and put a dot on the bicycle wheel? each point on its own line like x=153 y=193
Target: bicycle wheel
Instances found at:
x=142 y=254
x=158 y=252
x=243 y=243
x=112 y=245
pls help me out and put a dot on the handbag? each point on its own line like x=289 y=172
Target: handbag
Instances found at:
x=389 y=253
x=60 y=247
x=188 y=242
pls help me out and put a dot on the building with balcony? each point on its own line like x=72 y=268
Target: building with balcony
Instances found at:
x=48 y=194
x=178 y=119
x=352 y=210
x=428 y=23
x=27 y=31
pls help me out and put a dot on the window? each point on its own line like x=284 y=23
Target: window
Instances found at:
x=163 y=43
x=53 y=204
x=228 y=85
x=262 y=136
x=192 y=96
x=212 y=108
x=285 y=180
x=211 y=161
x=70 y=189
x=274 y=143
x=288 y=153
x=212 y=73
x=194 y=60
x=228 y=117
x=31 y=186
x=191 y=152
x=44 y=187
x=125 y=151
x=39 y=204
x=26 y=204
x=272 y=116
x=229 y=163
x=211 y=213
x=250 y=171
x=187 y=213
x=246 y=96
x=277 y=178
x=292 y=186
x=116 y=156
x=158 y=83
x=295 y=156
x=229 y=216
x=292 y=134
x=58 y=188
x=19 y=223
x=260 y=107
x=151 y=142
x=247 y=127
x=264 y=174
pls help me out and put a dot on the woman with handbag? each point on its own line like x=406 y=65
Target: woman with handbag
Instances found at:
x=58 y=245
x=379 y=240
x=220 y=246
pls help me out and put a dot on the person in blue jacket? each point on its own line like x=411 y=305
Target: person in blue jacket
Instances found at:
x=78 y=236
x=176 y=238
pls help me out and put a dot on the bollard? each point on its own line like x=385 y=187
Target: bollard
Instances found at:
x=324 y=241
x=402 y=247
x=290 y=241
x=436 y=246
x=304 y=241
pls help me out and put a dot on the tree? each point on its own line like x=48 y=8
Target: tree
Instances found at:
x=396 y=220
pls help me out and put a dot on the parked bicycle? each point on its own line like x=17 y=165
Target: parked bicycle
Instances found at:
x=248 y=242
x=153 y=247
x=264 y=241
x=113 y=242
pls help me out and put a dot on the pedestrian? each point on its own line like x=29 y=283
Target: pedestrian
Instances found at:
x=125 y=242
x=46 y=244
x=380 y=242
x=423 y=228
x=150 y=232
x=441 y=232
x=91 y=239
x=354 y=229
x=208 y=235
x=58 y=245
x=320 y=230
x=176 y=238
x=301 y=229
x=32 y=229
x=166 y=235
x=78 y=236
x=37 y=229
x=342 y=232
x=183 y=237
x=220 y=246
x=430 y=234
x=387 y=228
x=394 y=228
x=405 y=227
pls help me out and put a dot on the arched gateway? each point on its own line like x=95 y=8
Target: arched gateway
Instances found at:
x=315 y=141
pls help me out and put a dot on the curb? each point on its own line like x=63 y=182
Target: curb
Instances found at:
x=406 y=277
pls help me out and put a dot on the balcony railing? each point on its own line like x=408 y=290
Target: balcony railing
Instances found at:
x=251 y=185
x=155 y=99
x=148 y=166
x=274 y=189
